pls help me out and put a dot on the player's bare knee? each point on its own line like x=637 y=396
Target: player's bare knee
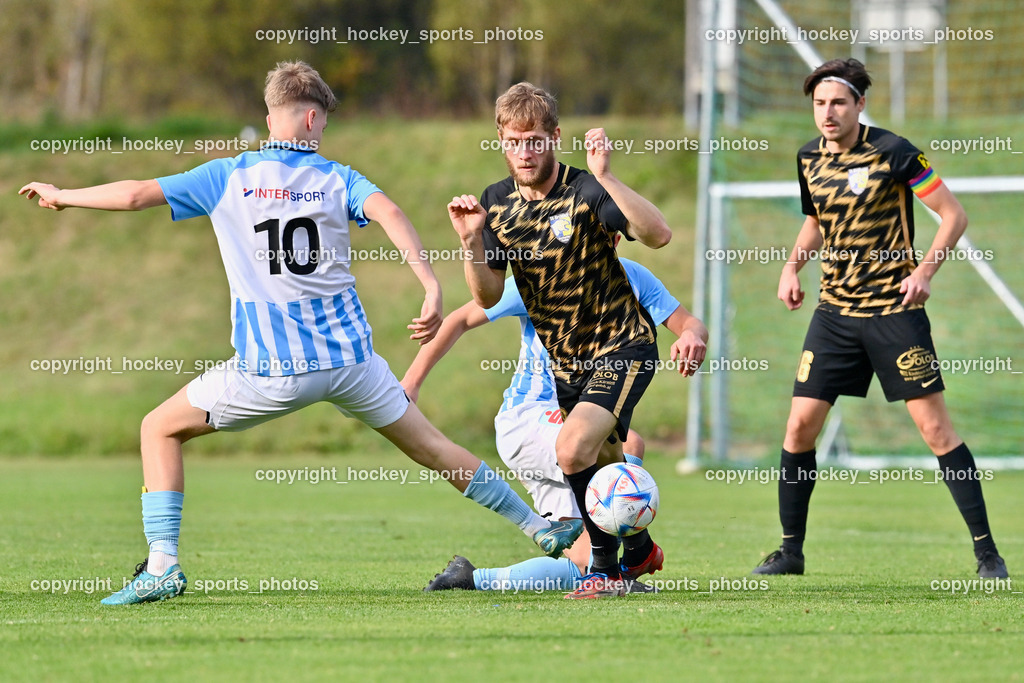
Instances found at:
x=939 y=436
x=571 y=457
x=801 y=433
x=163 y=423
x=154 y=425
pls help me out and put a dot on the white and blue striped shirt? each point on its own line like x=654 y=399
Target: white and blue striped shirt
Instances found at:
x=533 y=381
x=281 y=216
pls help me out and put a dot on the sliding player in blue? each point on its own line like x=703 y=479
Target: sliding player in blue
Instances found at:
x=527 y=426
x=281 y=216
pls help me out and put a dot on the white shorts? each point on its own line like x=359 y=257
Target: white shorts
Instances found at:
x=235 y=400
x=525 y=437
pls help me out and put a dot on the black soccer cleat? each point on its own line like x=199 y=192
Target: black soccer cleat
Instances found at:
x=991 y=566
x=781 y=562
x=458 y=574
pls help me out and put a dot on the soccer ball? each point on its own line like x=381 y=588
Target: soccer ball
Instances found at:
x=622 y=499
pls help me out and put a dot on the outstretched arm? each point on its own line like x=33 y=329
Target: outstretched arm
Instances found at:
x=403 y=235
x=646 y=223
x=455 y=324
x=124 y=195
x=692 y=343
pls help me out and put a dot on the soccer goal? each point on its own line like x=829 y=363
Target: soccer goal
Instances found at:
x=745 y=228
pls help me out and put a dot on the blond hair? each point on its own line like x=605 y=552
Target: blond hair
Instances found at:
x=297 y=83
x=524 y=106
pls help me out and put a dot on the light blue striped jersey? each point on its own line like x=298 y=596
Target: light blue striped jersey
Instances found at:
x=281 y=216
x=533 y=380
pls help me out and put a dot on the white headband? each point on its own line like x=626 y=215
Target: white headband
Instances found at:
x=845 y=82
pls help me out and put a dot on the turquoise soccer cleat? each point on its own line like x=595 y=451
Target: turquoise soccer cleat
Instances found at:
x=145 y=587
x=558 y=536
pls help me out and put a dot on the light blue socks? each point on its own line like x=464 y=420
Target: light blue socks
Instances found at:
x=161 y=522
x=494 y=493
x=533 y=575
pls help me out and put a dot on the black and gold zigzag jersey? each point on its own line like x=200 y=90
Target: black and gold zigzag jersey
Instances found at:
x=563 y=259
x=866 y=213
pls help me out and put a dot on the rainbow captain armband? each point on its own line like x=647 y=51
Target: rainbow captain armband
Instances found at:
x=926 y=183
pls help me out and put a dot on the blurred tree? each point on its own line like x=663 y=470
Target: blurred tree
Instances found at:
x=82 y=75
x=382 y=75
x=200 y=57
x=594 y=55
x=34 y=62
x=472 y=74
x=115 y=58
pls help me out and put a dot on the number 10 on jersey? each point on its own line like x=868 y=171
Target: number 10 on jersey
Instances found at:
x=281 y=245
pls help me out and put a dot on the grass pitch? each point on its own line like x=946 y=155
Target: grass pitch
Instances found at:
x=349 y=561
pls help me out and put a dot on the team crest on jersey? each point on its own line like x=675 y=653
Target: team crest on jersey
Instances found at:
x=562 y=227
x=857 y=178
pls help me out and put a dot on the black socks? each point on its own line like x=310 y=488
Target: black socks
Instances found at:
x=963 y=480
x=605 y=547
x=798 y=474
x=636 y=548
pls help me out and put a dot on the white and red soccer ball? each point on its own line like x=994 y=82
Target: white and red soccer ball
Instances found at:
x=622 y=499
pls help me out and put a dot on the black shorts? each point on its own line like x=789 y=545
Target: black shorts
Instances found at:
x=842 y=352
x=615 y=382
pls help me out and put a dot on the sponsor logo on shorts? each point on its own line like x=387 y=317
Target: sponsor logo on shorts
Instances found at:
x=554 y=417
x=916 y=364
x=602 y=382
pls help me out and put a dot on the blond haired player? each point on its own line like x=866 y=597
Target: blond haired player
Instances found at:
x=281 y=216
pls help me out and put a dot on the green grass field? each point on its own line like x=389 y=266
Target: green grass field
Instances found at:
x=869 y=608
